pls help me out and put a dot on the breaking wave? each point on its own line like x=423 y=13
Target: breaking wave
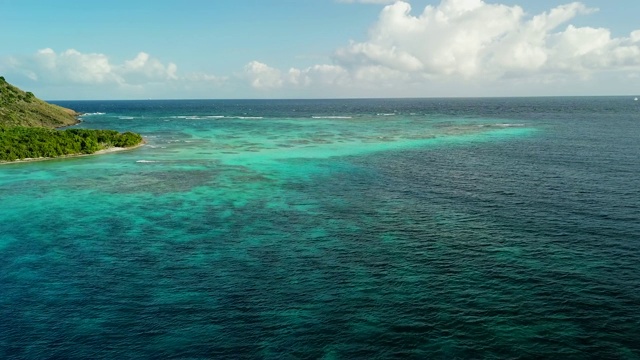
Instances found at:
x=332 y=117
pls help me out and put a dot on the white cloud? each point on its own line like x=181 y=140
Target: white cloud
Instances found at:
x=69 y=66
x=318 y=75
x=368 y=1
x=143 y=68
x=474 y=39
x=466 y=42
x=140 y=76
x=261 y=76
x=72 y=66
x=444 y=49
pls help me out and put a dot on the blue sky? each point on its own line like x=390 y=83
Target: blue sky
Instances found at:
x=138 y=49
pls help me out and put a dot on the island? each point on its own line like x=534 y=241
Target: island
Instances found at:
x=28 y=130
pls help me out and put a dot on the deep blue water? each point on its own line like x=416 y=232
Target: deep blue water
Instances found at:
x=331 y=229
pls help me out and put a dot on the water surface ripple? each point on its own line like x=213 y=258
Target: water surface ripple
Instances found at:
x=331 y=229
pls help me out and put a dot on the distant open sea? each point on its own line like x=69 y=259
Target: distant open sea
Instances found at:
x=331 y=229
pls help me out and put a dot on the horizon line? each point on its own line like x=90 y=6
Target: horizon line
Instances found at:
x=354 y=98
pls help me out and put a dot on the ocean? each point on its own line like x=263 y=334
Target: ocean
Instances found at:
x=331 y=229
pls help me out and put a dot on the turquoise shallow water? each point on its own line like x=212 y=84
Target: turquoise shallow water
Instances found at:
x=336 y=229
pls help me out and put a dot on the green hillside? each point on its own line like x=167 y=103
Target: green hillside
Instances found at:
x=27 y=129
x=19 y=108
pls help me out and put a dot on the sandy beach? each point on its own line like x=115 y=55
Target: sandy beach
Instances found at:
x=99 y=152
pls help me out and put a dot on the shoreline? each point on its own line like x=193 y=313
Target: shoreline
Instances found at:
x=99 y=152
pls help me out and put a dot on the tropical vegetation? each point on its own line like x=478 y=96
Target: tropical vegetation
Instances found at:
x=27 y=129
x=19 y=142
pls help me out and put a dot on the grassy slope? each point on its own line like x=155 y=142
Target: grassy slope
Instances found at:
x=19 y=108
x=26 y=129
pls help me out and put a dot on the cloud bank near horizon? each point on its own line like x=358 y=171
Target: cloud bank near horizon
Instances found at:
x=456 y=42
x=476 y=41
x=367 y=1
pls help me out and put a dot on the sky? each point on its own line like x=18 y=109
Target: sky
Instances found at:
x=243 y=49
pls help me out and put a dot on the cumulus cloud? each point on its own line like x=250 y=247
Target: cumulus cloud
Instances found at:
x=456 y=43
x=72 y=66
x=471 y=39
x=261 y=76
x=318 y=75
x=367 y=1
x=264 y=77
x=69 y=65
x=141 y=76
x=144 y=68
x=465 y=40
